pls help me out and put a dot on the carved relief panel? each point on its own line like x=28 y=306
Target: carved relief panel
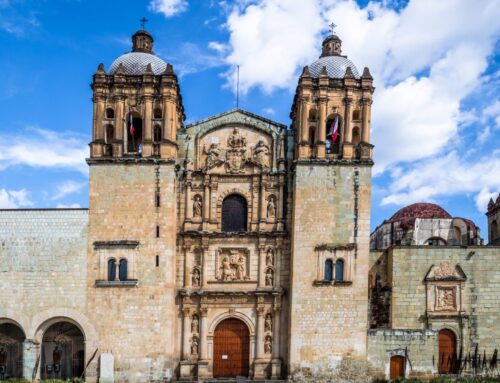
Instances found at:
x=232 y=264
x=445 y=286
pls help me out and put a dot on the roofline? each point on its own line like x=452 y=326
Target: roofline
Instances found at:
x=237 y=110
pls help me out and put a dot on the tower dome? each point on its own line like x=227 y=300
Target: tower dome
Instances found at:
x=136 y=62
x=331 y=58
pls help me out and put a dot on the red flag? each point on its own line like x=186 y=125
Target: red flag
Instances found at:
x=334 y=130
x=132 y=129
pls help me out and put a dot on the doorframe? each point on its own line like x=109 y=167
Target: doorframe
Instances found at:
x=405 y=353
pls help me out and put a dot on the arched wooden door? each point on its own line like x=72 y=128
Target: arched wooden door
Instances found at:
x=231 y=349
x=397 y=367
x=447 y=352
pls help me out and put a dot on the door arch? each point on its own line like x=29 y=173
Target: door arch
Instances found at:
x=397 y=367
x=11 y=351
x=231 y=349
x=63 y=351
x=447 y=352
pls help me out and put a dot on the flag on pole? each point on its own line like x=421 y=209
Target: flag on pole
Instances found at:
x=333 y=133
x=132 y=129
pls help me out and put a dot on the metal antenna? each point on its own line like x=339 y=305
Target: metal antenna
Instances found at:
x=238 y=87
x=143 y=22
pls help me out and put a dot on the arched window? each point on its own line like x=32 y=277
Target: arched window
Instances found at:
x=435 y=241
x=333 y=134
x=313 y=115
x=356 y=138
x=356 y=115
x=110 y=113
x=234 y=213
x=339 y=270
x=157 y=133
x=109 y=134
x=157 y=113
x=111 y=269
x=328 y=270
x=123 y=270
x=134 y=132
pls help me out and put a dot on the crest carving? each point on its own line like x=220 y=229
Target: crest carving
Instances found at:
x=236 y=153
x=446 y=298
x=233 y=265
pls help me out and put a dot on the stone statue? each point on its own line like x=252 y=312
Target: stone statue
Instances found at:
x=227 y=271
x=194 y=324
x=236 y=140
x=268 y=324
x=268 y=346
x=195 y=279
x=241 y=268
x=214 y=156
x=269 y=277
x=194 y=346
x=271 y=208
x=197 y=206
x=270 y=257
x=261 y=154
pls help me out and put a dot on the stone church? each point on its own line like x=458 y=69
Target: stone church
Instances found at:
x=238 y=246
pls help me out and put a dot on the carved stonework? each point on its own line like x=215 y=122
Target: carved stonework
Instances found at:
x=268 y=324
x=261 y=154
x=236 y=153
x=271 y=208
x=444 y=270
x=268 y=344
x=214 y=156
x=194 y=345
x=195 y=323
x=196 y=277
x=270 y=257
x=269 y=277
x=446 y=299
x=197 y=206
x=233 y=265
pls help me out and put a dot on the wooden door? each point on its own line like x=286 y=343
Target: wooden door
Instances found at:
x=397 y=367
x=447 y=352
x=231 y=349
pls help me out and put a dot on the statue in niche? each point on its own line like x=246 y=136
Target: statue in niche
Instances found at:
x=194 y=346
x=195 y=324
x=271 y=208
x=196 y=277
x=241 y=268
x=269 y=277
x=214 y=156
x=236 y=153
x=268 y=346
x=261 y=154
x=197 y=206
x=268 y=324
x=270 y=257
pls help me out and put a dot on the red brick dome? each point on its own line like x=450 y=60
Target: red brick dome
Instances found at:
x=408 y=214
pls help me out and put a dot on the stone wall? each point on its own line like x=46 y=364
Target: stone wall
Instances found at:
x=328 y=320
x=137 y=321
x=419 y=347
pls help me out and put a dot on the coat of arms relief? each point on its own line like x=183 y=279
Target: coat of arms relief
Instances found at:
x=237 y=154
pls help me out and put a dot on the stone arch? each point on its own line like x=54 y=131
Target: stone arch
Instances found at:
x=15 y=318
x=236 y=314
x=221 y=198
x=43 y=320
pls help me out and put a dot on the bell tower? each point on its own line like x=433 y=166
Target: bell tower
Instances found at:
x=132 y=210
x=331 y=212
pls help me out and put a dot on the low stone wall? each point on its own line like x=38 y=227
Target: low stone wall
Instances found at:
x=419 y=346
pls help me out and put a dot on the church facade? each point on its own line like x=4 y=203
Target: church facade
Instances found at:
x=234 y=246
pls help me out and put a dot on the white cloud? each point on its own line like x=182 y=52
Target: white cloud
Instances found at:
x=444 y=176
x=190 y=58
x=13 y=199
x=40 y=148
x=493 y=112
x=269 y=111
x=168 y=7
x=70 y=206
x=67 y=187
x=483 y=197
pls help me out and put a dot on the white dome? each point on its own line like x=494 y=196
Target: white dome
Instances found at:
x=135 y=63
x=335 y=66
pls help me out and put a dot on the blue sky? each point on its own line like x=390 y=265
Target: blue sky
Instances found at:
x=436 y=113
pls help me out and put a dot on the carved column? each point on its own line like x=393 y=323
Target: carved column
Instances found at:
x=188 y=209
x=147 y=146
x=262 y=199
x=281 y=201
x=204 y=263
x=276 y=333
x=187 y=266
x=262 y=266
x=203 y=333
x=366 y=118
x=277 y=263
x=119 y=117
x=259 y=338
x=186 y=328
x=117 y=270
x=173 y=120
x=347 y=120
x=167 y=132
x=304 y=134
x=321 y=129
x=206 y=199
x=98 y=117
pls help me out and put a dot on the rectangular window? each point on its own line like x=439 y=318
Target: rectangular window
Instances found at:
x=157 y=199
x=157 y=261
x=157 y=231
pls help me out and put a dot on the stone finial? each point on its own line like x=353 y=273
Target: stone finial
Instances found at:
x=100 y=69
x=169 y=69
x=497 y=202
x=366 y=74
x=149 y=69
x=348 y=73
x=305 y=72
x=323 y=71
x=120 y=69
x=491 y=204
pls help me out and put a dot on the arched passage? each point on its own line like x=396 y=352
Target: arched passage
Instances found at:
x=231 y=349
x=11 y=351
x=63 y=352
x=447 y=352
x=134 y=132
